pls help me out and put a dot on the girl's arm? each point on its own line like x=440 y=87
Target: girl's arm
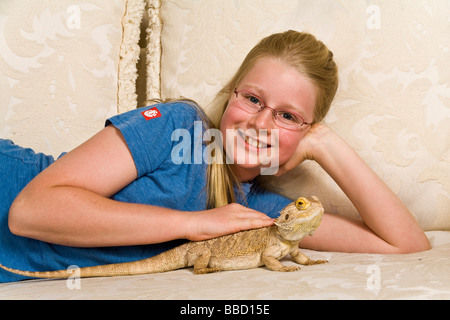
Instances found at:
x=387 y=226
x=69 y=203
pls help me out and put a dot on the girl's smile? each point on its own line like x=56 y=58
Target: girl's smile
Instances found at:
x=252 y=141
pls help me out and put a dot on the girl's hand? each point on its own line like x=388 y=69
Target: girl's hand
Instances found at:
x=225 y=220
x=309 y=146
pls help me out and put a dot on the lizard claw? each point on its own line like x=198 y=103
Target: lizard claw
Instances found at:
x=206 y=270
x=311 y=262
x=289 y=268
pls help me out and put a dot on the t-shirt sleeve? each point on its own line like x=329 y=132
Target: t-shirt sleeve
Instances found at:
x=148 y=132
x=266 y=201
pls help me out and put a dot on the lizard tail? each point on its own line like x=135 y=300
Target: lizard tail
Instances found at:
x=170 y=260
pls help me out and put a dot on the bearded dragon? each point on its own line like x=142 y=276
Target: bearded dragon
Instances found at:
x=242 y=250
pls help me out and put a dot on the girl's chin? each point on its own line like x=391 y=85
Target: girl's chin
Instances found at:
x=246 y=172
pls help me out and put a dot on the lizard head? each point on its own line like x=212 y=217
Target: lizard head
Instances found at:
x=300 y=218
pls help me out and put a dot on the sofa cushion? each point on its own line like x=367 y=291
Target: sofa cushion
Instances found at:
x=65 y=66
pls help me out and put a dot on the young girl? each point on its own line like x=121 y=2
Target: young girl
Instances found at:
x=121 y=196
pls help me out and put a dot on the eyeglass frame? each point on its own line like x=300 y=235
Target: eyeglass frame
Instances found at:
x=264 y=106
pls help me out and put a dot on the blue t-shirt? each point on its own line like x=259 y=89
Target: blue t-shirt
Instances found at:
x=169 y=175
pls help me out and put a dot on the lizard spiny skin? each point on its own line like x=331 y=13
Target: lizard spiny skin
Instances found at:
x=242 y=250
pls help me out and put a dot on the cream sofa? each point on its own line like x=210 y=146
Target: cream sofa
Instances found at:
x=67 y=65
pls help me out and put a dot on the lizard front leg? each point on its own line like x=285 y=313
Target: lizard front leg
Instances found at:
x=268 y=257
x=302 y=259
x=199 y=257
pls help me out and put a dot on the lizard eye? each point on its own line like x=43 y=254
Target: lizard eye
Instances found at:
x=302 y=203
x=286 y=216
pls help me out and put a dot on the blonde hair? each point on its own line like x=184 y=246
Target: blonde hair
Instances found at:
x=298 y=49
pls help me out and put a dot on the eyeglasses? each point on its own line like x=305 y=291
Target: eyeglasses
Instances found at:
x=251 y=103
